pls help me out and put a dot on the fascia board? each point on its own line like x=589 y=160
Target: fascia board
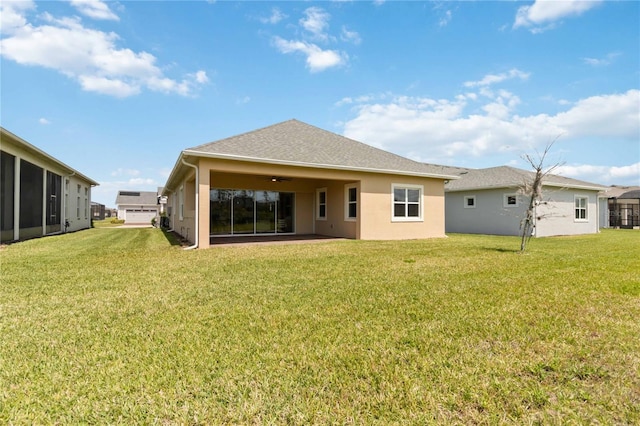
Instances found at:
x=315 y=165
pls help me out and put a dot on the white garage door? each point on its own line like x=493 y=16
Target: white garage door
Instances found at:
x=139 y=216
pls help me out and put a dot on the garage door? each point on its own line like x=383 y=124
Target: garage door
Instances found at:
x=139 y=216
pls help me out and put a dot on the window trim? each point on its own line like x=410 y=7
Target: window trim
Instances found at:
x=348 y=202
x=469 y=197
x=405 y=186
x=505 y=200
x=318 y=203
x=576 y=208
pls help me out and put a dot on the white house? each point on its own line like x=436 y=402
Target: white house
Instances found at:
x=39 y=195
x=489 y=201
x=137 y=207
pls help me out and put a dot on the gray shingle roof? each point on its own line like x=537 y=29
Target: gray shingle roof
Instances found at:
x=509 y=177
x=629 y=195
x=294 y=142
x=140 y=198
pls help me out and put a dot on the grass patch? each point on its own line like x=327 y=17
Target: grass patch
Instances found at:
x=122 y=326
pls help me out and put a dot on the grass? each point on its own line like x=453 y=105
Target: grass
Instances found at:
x=121 y=326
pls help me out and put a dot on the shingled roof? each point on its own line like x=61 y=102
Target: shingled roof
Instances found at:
x=510 y=177
x=295 y=143
x=137 y=198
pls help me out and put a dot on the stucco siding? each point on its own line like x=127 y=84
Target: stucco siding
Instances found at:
x=489 y=216
x=556 y=215
x=374 y=200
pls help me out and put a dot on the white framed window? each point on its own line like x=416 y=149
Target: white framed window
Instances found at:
x=469 y=201
x=350 y=202
x=510 y=200
x=321 y=204
x=406 y=202
x=181 y=203
x=581 y=209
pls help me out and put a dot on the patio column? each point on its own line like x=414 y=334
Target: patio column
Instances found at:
x=204 y=186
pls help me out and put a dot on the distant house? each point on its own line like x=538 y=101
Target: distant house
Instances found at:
x=488 y=201
x=137 y=207
x=620 y=207
x=97 y=211
x=39 y=194
x=293 y=178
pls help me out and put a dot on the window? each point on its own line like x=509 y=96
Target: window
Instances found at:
x=581 y=208
x=510 y=200
x=350 y=202
x=470 y=202
x=181 y=203
x=78 y=203
x=406 y=203
x=321 y=201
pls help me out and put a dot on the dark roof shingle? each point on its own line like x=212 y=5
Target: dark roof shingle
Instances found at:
x=294 y=142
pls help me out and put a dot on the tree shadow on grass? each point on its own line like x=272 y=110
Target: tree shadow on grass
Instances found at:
x=501 y=249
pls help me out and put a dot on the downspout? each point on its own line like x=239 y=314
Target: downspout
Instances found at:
x=195 y=244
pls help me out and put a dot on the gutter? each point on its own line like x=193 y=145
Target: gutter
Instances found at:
x=195 y=244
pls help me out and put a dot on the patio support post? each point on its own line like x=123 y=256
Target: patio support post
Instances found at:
x=203 y=186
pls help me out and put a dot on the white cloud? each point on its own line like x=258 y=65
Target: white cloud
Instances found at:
x=445 y=19
x=544 y=14
x=600 y=62
x=317 y=59
x=350 y=36
x=443 y=129
x=316 y=21
x=89 y=56
x=44 y=121
x=604 y=174
x=95 y=9
x=491 y=79
x=275 y=17
x=12 y=14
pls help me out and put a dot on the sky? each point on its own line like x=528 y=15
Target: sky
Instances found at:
x=118 y=89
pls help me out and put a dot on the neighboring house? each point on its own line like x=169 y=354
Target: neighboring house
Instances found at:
x=489 y=201
x=137 y=207
x=294 y=178
x=39 y=195
x=97 y=211
x=620 y=207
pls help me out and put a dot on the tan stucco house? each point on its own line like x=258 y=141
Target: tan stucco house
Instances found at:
x=292 y=178
x=39 y=194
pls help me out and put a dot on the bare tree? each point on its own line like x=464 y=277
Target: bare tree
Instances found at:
x=533 y=190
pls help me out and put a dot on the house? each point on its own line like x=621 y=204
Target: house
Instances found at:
x=620 y=207
x=293 y=178
x=97 y=211
x=39 y=194
x=137 y=207
x=489 y=201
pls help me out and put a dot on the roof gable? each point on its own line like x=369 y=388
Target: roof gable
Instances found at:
x=510 y=177
x=296 y=143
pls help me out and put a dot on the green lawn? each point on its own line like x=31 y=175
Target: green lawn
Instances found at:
x=121 y=326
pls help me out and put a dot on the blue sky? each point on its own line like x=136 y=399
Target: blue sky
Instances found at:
x=118 y=89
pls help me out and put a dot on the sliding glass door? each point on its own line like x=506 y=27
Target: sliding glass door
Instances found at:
x=251 y=212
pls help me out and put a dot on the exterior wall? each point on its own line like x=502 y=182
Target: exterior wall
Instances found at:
x=558 y=215
x=376 y=207
x=489 y=215
x=374 y=199
x=74 y=207
x=603 y=212
x=554 y=216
